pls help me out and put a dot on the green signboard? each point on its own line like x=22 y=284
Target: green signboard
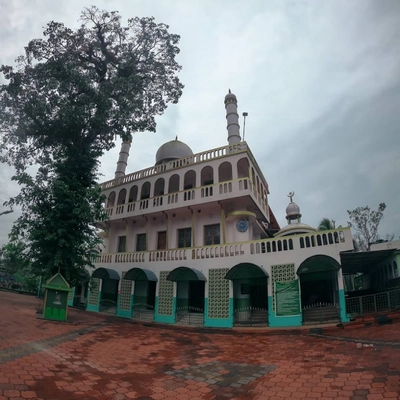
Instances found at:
x=287 y=298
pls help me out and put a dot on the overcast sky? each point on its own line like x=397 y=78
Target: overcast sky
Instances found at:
x=319 y=79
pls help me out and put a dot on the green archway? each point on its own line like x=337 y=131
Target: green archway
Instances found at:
x=246 y=271
x=141 y=274
x=317 y=264
x=190 y=294
x=186 y=274
x=106 y=273
x=109 y=289
x=319 y=289
x=144 y=295
x=250 y=294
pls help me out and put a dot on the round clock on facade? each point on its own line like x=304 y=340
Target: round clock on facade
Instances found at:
x=242 y=225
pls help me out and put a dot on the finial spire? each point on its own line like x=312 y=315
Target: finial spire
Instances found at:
x=290 y=195
x=230 y=91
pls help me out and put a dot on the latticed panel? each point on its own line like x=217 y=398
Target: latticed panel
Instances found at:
x=165 y=294
x=71 y=295
x=93 y=299
x=218 y=293
x=281 y=273
x=125 y=294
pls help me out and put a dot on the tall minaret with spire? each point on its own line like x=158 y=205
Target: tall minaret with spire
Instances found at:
x=122 y=159
x=232 y=118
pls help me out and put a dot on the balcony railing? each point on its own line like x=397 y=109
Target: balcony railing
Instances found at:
x=199 y=195
x=274 y=245
x=183 y=162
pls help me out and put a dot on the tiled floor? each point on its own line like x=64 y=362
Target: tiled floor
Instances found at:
x=100 y=357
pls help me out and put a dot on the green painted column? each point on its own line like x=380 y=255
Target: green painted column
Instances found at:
x=218 y=306
x=71 y=296
x=94 y=295
x=165 y=304
x=344 y=317
x=124 y=304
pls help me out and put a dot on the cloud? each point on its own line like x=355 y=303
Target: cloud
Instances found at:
x=320 y=81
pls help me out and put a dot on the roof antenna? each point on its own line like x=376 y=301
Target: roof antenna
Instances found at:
x=245 y=114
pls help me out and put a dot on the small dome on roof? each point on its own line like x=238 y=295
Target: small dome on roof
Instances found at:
x=172 y=150
x=292 y=210
x=293 y=229
x=293 y=215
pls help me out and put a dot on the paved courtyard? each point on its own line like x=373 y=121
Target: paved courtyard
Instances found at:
x=99 y=357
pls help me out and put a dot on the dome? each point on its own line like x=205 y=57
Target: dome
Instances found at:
x=230 y=97
x=293 y=229
x=172 y=150
x=292 y=211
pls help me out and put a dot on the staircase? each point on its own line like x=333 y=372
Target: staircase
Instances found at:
x=251 y=316
x=143 y=315
x=259 y=317
x=194 y=319
x=108 y=307
x=321 y=314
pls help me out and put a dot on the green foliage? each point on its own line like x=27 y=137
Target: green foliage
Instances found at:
x=61 y=108
x=30 y=283
x=13 y=258
x=58 y=208
x=84 y=87
x=366 y=222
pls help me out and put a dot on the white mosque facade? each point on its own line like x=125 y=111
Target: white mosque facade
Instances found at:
x=193 y=240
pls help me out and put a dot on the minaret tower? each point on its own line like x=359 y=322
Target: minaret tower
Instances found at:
x=122 y=159
x=232 y=118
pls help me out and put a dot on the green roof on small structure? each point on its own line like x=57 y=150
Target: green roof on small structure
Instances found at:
x=57 y=282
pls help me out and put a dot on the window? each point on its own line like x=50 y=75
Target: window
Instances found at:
x=141 y=242
x=162 y=240
x=212 y=234
x=121 y=244
x=184 y=237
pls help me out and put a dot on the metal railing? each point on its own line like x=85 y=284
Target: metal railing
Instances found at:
x=373 y=303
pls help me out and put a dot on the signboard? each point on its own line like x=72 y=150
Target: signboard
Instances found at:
x=287 y=298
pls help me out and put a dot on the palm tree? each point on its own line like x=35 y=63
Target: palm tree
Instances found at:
x=326 y=224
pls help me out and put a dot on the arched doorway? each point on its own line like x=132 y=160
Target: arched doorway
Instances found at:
x=108 y=289
x=190 y=295
x=319 y=289
x=250 y=294
x=144 y=293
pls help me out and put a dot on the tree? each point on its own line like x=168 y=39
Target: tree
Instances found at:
x=326 y=224
x=366 y=222
x=62 y=107
x=13 y=259
x=6 y=212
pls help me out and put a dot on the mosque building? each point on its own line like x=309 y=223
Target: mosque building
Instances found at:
x=193 y=240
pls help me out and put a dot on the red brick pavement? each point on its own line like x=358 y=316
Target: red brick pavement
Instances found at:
x=123 y=360
x=19 y=324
